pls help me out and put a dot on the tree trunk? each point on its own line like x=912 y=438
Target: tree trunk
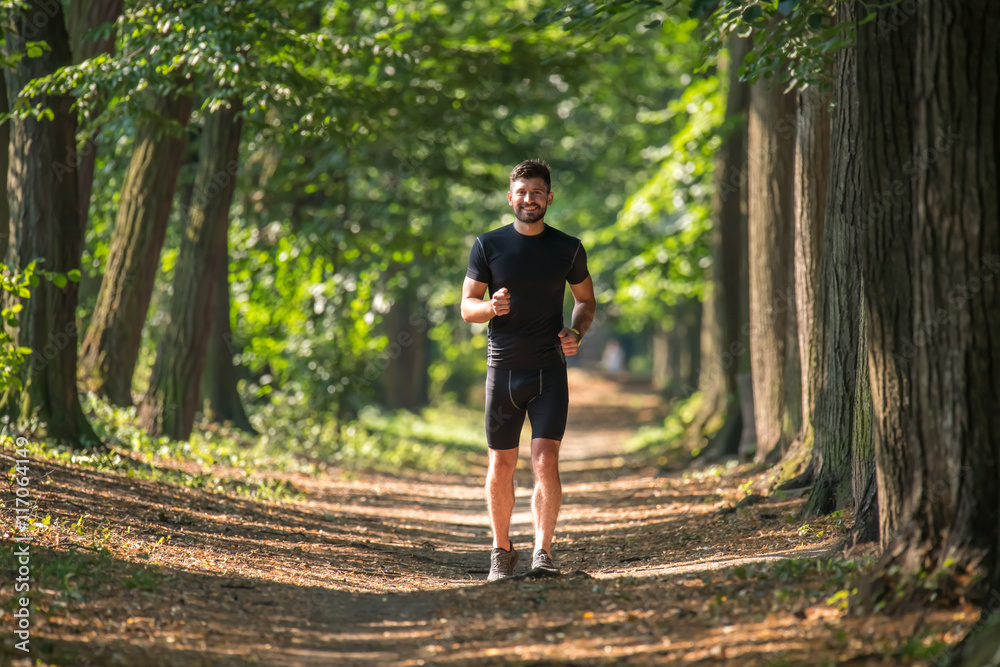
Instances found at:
x=406 y=381
x=220 y=380
x=771 y=229
x=85 y=16
x=942 y=499
x=111 y=347
x=812 y=167
x=4 y=168
x=864 y=489
x=661 y=358
x=45 y=224
x=885 y=125
x=172 y=399
x=839 y=299
x=728 y=291
x=690 y=347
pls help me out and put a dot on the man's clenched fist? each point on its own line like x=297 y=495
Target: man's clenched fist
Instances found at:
x=501 y=301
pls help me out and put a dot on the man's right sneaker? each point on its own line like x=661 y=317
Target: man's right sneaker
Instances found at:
x=502 y=563
x=543 y=561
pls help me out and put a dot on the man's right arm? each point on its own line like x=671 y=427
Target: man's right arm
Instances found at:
x=474 y=309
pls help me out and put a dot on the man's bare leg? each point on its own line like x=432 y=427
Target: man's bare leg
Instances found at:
x=547 y=497
x=500 y=494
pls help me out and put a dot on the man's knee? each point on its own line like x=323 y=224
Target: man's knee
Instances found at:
x=503 y=461
x=545 y=456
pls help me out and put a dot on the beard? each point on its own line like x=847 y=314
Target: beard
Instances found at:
x=529 y=215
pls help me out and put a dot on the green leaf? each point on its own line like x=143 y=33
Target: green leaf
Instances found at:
x=59 y=280
x=74 y=275
x=786 y=7
x=816 y=21
x=752 y=13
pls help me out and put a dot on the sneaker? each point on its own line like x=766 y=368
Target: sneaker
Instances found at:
x=502 y=563
x=543 y=561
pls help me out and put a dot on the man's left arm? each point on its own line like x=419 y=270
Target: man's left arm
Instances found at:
x=583 y=316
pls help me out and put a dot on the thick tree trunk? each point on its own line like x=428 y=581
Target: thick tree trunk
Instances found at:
x=885 y=125
x=771 y=229
x=406 y=380
x=172 y=399
x=812 y=167
x=111 y=347
x=45 y=224
x=722 y=319
x=221 y=377
x=939 y=457
x=839 y=298
x=85 y=16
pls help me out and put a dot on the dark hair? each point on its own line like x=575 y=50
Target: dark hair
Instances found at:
x=532 y=169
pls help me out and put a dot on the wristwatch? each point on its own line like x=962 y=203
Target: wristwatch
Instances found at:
x=579 y=336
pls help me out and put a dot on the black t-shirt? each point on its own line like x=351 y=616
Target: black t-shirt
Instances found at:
x=535 y=270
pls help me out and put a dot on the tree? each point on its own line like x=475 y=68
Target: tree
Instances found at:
x=729 y=294
x=87 y=17
x=169 y=405
x=111 y=347
x=933 y=252
x=771 y=227
x=220 y=378
x=45 y=228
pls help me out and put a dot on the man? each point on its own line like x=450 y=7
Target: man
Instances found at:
x=525 y=266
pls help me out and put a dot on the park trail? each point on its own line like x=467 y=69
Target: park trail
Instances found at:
x=389 y=570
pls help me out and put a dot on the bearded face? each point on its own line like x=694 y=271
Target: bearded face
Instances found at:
x=530 y=198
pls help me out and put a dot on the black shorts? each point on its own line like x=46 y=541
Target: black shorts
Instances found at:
x=542 y=394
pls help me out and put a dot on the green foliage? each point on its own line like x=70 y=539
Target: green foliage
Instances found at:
x=12 y=355
x=260 y=51
x=661 y=240
x=793 y=40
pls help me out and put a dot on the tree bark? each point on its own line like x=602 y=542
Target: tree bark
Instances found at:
x=938 y=450
x=4 y=168
x=864 y=489
x=771 y=228
x=85 y=16
x=111 y=347
x=886 y=138
x=221 y=377
x=812 y=167
x=839 y=301
x=172 y=399
x=45 y=224
x=728 y=291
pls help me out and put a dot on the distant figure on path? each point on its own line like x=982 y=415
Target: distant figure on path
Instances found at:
x=525 y=266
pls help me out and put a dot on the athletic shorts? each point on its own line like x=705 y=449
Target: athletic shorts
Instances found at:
x=542 y=394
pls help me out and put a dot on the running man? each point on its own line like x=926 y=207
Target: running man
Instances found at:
x=525 y=266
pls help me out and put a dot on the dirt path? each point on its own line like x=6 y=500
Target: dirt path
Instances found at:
x=390 y=570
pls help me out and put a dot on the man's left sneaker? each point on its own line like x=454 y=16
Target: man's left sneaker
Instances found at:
x=543 y=561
